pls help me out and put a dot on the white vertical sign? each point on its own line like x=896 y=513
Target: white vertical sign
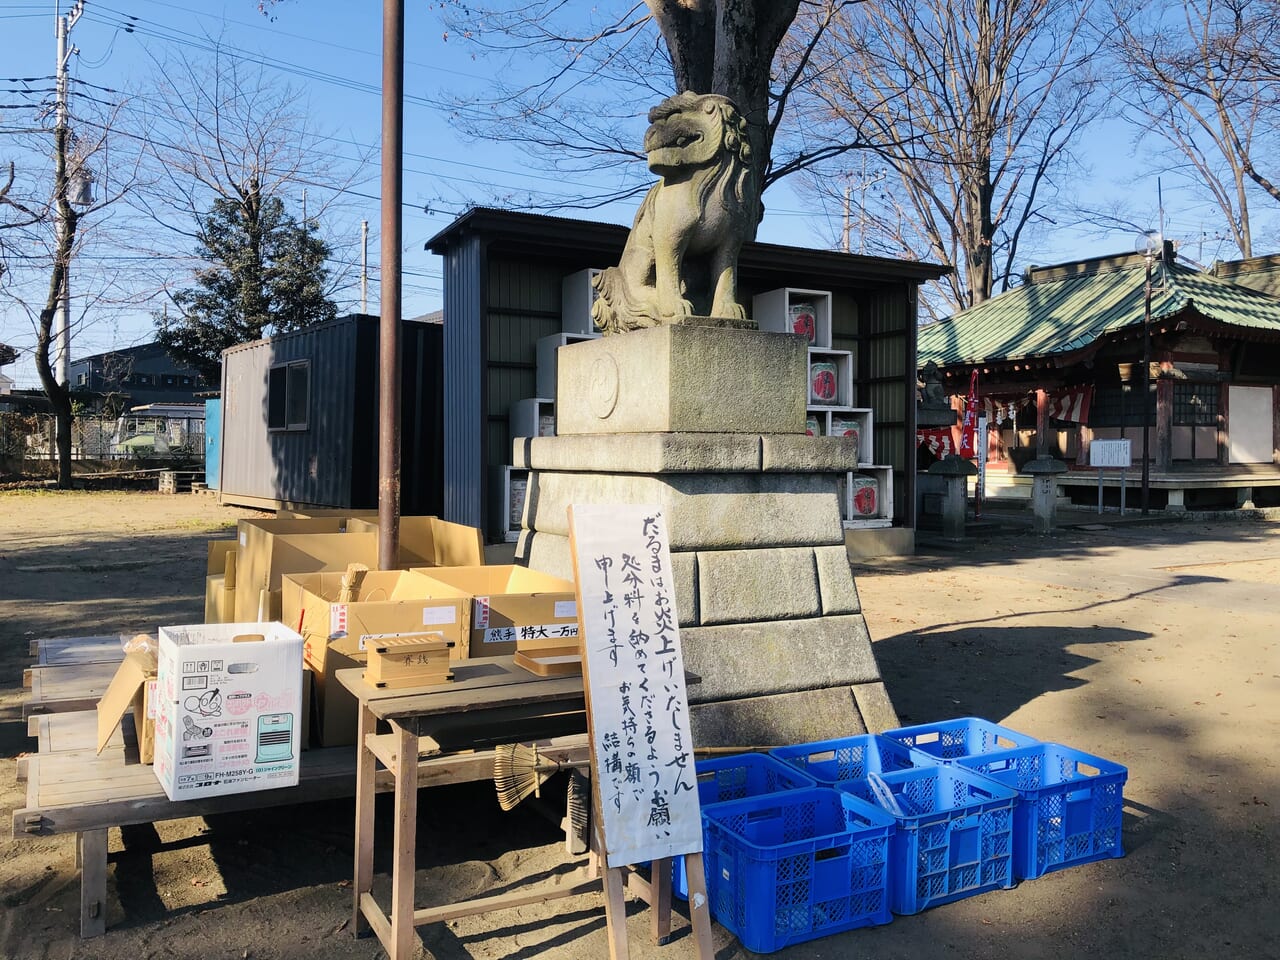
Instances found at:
x=639 y=713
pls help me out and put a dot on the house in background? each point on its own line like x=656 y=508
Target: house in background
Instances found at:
x=1059 y=364
x=131 y=376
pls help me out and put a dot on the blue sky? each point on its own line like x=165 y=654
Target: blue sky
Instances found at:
x=331 y=49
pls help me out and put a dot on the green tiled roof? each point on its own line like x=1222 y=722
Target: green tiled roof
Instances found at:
x=1069 y=307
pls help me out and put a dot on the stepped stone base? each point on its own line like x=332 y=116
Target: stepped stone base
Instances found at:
x=771 y=624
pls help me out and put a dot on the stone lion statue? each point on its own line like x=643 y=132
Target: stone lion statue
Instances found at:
x=683 y=247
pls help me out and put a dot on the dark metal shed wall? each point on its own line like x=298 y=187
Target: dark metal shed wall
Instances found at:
x=465 y=409
x=303 y=466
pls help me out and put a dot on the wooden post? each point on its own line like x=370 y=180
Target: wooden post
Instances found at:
x=366 y=767
x=91 y=853
x=1042 y=423
x=404 y=861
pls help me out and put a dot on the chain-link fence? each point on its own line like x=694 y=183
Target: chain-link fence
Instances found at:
x=132 y=437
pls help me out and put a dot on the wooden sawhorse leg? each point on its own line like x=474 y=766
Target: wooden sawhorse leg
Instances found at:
x=366 y=768
x=91 y=858
x=404 y=858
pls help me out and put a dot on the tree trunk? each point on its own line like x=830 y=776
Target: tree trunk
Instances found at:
x=727 y=47
x=59 y=394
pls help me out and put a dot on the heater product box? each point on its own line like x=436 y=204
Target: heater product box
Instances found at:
x=228 y=709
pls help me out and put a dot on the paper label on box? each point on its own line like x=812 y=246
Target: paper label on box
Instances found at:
x=367 y=638
x=244 y=539
x=434 y=616
x=151 y=699
x=535 y=631
x=480 y=617
x=337 y=620
x=566 y=608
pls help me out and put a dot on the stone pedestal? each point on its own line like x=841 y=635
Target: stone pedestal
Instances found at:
x=770 y=620
x=955 y=470
x=1044 y=491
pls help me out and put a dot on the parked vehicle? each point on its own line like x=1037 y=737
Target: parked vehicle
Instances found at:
x=160 y=430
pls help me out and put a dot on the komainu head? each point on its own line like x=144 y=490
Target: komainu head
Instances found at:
x=693 y=130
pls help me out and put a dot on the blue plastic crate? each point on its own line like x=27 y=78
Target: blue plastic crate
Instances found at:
x=949 y=740
x=954 y=838
x=1069 y=809
x=784 y=868
x=850 y=758
x=735 y=778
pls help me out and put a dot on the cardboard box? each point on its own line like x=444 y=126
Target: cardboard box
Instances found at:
x=219 y=602
x=431 y=542
x=228 y=709
x=506 y=603
x=307 y=513
x=335 y=635
x=131 y=689
x=222 y=560
x=268 y=549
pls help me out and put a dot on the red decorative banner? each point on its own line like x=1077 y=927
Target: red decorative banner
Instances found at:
x=969 y=422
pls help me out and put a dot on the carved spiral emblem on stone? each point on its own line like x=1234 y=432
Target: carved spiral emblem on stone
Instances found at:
x=604 y=386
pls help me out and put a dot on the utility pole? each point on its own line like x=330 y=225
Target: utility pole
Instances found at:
x=62 y=335
x=864 y=184
x=364 y=267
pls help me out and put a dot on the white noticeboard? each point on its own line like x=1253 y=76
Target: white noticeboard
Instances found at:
x=633 y=670
x=1110 y=453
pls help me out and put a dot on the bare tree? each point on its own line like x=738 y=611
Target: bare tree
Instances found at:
x=973 y=105
x=1202 y=76
x=222 y=129
x=53 y=236
x=600 y=67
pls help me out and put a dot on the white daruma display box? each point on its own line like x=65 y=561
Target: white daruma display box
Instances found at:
x=864 y=495
x=824 y=382
x=846 y=427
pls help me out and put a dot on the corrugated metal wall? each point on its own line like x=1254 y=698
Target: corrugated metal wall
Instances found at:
x=886 y=370
x=291 y=465
x=465 y=409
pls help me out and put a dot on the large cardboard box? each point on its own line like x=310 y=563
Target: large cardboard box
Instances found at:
x=132 y=689
x=432 y=542
x=268 y=549
x=228 y=709
x=507 y=602
x=336 y=635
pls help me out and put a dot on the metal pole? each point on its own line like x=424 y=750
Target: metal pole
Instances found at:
x=389 y=321
x=1146 y=391
x=364 y=266
x=62 y=326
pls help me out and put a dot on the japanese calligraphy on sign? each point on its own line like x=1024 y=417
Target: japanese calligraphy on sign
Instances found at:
x=639 y=721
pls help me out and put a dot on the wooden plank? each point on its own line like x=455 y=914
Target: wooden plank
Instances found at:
x=615 y=913
x=582 y=880
x=660 y=900
x=60 y=651
x=92 y=854
x=404 y=849
x=362 y=888
x=699 y=908
x=73 y=686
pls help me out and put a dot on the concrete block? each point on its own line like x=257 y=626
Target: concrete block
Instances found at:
x=748 y=586
x=836 y=588
x=549 y=553
x=875 y=707
x=864 y=544
x=641 y=453
x=759 y=659
x=776 y=721
x=704 y=512
x=792 y=453
x=671 y=379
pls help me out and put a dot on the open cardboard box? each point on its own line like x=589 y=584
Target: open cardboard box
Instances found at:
x=132 y=688
x=268 y=549
x=507 y=602
x=336 y=635
x=431 y=542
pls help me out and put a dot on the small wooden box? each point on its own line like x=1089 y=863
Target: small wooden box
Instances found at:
x=412 y=660
x=549 y=657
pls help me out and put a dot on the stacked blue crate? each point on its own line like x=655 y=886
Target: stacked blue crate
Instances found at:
x=954 y=836
x=850 y=758
x=1069 y=809
x=950 y=740
x=784 y=868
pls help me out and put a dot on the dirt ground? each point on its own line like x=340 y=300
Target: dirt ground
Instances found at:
x=1152 y=645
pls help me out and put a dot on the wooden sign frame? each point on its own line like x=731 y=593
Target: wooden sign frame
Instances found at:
x=659 y=888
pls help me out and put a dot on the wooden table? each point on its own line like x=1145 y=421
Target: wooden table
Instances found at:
x=488 y=699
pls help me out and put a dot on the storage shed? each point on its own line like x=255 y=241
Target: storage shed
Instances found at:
x=517 y=285
x=300 y=418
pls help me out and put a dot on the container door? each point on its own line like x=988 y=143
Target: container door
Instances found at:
x=212 y=443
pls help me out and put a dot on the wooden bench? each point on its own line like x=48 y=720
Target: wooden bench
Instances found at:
x=71 y=789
